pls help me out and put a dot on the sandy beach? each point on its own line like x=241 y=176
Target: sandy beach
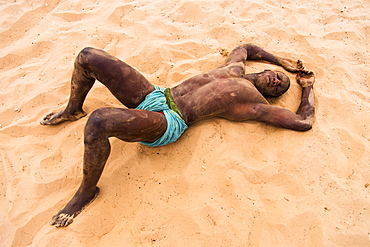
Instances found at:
x=222 y=183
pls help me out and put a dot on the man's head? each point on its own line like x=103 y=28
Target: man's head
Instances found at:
x=272 y=83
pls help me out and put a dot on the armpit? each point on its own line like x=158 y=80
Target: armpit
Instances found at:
x=230 y=70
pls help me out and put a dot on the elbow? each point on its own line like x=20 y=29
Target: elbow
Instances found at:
x=306 y=123
x=303 y=126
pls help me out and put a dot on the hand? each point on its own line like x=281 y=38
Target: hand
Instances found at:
x=305 y=78
x=292 y=66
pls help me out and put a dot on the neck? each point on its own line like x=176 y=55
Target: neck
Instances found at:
x=252 y=77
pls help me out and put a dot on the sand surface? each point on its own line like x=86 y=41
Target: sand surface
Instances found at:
x=223 y=183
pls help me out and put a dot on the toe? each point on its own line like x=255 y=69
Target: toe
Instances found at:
x=61 y=220
x=47 y=117
x=53 y=220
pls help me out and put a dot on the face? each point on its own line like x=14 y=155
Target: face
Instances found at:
x=272 y=83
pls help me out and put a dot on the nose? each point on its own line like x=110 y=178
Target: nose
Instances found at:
x=275 y=81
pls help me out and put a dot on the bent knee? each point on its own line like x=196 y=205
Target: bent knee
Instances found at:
x=97 y=118
x=84 y=56
x=96 y=125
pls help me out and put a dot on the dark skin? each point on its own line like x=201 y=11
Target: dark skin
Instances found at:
x=223 y=92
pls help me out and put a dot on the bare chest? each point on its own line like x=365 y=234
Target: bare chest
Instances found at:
x=217 y=98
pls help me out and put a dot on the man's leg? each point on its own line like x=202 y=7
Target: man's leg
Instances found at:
x=125 y=124
x=123 y=81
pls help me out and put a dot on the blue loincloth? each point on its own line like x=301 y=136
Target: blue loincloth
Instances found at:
x=156 y=102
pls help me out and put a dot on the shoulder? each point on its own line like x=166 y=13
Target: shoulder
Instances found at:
x=236 y=69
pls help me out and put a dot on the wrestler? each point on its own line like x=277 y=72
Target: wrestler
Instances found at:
x=156 y=116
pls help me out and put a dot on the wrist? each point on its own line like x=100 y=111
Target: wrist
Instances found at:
x=307 y=85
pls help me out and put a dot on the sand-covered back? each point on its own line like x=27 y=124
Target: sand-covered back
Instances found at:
x=223 y=183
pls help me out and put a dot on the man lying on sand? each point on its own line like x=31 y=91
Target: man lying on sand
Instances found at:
x=156 y=116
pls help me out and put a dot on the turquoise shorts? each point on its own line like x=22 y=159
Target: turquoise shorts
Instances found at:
x=156 y=101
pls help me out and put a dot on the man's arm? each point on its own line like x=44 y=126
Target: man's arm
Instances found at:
x=280 y=117
x=253 y=52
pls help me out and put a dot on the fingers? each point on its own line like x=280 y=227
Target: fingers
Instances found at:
x=301 y=69
x=294 y=67
x=303 y=73
x=300 y=65
x=297 y=68
x=305 y=78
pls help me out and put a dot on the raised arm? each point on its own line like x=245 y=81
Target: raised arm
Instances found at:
x=301 y=120
x=250 y=51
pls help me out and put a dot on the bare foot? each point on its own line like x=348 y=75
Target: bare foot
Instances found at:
x=72 y=209
x=57 y=118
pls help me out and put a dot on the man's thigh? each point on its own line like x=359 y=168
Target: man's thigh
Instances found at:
x=129 y=125
x=127 y=84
